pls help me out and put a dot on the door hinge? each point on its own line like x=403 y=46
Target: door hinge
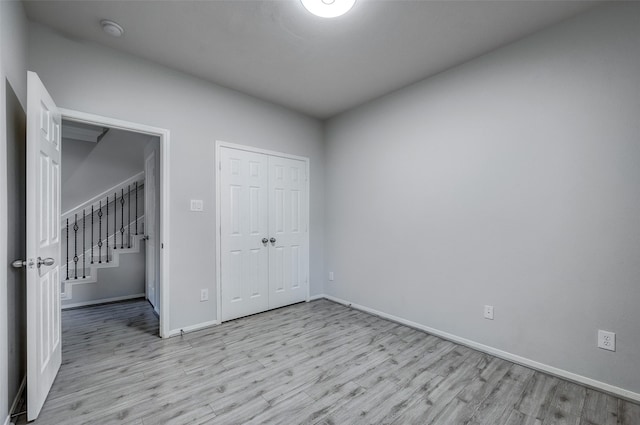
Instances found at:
x=161 y=246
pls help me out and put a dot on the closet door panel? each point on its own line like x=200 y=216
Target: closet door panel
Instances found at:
x=288 y=271
x=244 y=223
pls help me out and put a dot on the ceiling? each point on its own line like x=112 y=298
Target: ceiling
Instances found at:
x=275 y=50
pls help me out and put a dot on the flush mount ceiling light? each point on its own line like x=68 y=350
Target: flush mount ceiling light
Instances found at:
x=111 y=28
x=328 y=8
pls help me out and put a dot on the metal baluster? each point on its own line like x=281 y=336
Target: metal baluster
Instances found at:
x=129 y=216
x=100 y=233
x=136 y=208
x=115 y=217
x=75 y=247
x=91 y=234
x=107 y=231
x=67 y=249
x=84 y=232
x=122 y=218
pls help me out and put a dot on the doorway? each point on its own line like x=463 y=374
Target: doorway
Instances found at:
x=155 y=289
x=107 y=222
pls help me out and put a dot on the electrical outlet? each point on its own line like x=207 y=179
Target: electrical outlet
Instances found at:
x=204 y=295
x=607 y=340
x=330 y=275
x=488 y=312
x=197 y=205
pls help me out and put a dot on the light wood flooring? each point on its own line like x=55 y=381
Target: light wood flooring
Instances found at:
x=310 y=363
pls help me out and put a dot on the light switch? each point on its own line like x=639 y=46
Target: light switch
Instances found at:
x=197 y=205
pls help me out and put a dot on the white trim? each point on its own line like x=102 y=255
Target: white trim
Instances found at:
x=102 y=301
x=165 y=151
x=223 y=144
x=316 y=297
x=193 y=328
x=96 y=199
x=561 y=373
x=216 y=161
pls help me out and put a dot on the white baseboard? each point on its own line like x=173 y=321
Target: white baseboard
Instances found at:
x=315 y=297
x=561 y=373
x=192 y=328
x=102 y=301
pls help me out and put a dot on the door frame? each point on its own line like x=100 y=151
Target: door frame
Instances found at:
x=164 y=135
x=156 y=286
x=217 y=165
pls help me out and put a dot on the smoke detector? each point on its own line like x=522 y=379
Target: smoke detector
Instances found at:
x=111 y=28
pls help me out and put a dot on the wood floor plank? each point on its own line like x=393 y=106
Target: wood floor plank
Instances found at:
x=310 y=363
x=599 y=409
x=628 y=413
x=537 y=396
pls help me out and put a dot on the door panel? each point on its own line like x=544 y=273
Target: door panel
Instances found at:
x=244 y=258
x=288 y=277
x=43 y=242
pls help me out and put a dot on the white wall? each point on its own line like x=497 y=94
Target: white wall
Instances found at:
x=90 y=78
x=126 y=280
x=89 y=169
x=513 y=181
x=13 y=55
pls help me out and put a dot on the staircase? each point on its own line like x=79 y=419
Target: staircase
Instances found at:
x=100 y=232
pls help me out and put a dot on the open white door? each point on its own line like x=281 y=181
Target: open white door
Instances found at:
x=44 y=354
x=150 y=228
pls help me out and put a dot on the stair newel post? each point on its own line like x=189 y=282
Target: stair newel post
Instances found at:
x=129 y=216
x=84 y=233
x=107 y=230
x=75 y=247
x=136 y=208
x=122 y=218
x=91 y=234
x=100 y=233
x=67 y=249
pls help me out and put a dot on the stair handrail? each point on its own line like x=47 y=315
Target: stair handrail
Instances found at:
x=94 y=201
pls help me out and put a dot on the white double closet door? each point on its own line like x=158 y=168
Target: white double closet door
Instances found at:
x=263 y=232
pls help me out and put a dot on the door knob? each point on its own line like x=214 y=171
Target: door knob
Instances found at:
x=47 y=261
x=145 y=237
x=272 y=240
x=18 y=263
x=265 y=240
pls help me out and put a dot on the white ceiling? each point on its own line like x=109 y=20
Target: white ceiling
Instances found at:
x=277 y=51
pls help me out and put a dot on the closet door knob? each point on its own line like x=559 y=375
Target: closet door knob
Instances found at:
x=265 y=240
x=272 y=240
